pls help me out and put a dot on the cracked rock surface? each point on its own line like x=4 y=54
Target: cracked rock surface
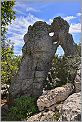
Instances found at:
x=71 y=110
x=38 y=52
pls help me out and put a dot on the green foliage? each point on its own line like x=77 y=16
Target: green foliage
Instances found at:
x=56 y=116
x=9 y=64
x=60 y=70
x=49 y=85
x=7 y=15
x=63 y=71
x=24 y=107
x=78 y=47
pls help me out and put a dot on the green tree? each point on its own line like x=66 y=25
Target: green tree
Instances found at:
x=23 y=108
x=7 y=15
x=9 y=64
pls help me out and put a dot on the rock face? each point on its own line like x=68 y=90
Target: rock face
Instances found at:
x=42 y=116
x=52 y=97
x=4 y=111
x=77 y=81
x=38 y=52
x=60 y=28
x=71 y=110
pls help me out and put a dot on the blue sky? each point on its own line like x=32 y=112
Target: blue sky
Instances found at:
x=28 y=12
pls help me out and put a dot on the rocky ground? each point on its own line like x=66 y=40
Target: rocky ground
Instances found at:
x=65 y=110
x=60 y=104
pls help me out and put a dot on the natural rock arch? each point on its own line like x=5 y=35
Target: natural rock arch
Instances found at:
x=60 y=27
x=38 y=52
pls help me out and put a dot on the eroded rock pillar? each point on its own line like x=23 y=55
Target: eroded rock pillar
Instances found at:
x=60 y=27
x=38 y=52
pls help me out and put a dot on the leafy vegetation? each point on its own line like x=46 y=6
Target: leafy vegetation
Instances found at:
x=7 y=15
x=56 y=116
x=24 y=107
x=9 y=64
x=63 y=71
x=78 y=47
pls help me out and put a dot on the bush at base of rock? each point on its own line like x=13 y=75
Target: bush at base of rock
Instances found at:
x=63 y=71
x=23 y=107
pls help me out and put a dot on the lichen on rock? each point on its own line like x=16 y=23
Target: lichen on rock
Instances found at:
x=38 y=52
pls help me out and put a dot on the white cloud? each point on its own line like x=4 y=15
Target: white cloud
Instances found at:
x=20 y=4
x=17 y=39
x=50 y=21
x=29 y=9
x=19 y=11
x=19 y=27
x=78 y=14
x=68 y=18
x=75 y=28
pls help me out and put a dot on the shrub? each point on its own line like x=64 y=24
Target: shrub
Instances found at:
x=56 y=116
x=63 y=71
x=23 y=108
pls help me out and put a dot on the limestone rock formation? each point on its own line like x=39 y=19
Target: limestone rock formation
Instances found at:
x=71 y=110
x=42 y=116
x=60 y=27
x=38 y=52
x=4 y=111
x=54 y=96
